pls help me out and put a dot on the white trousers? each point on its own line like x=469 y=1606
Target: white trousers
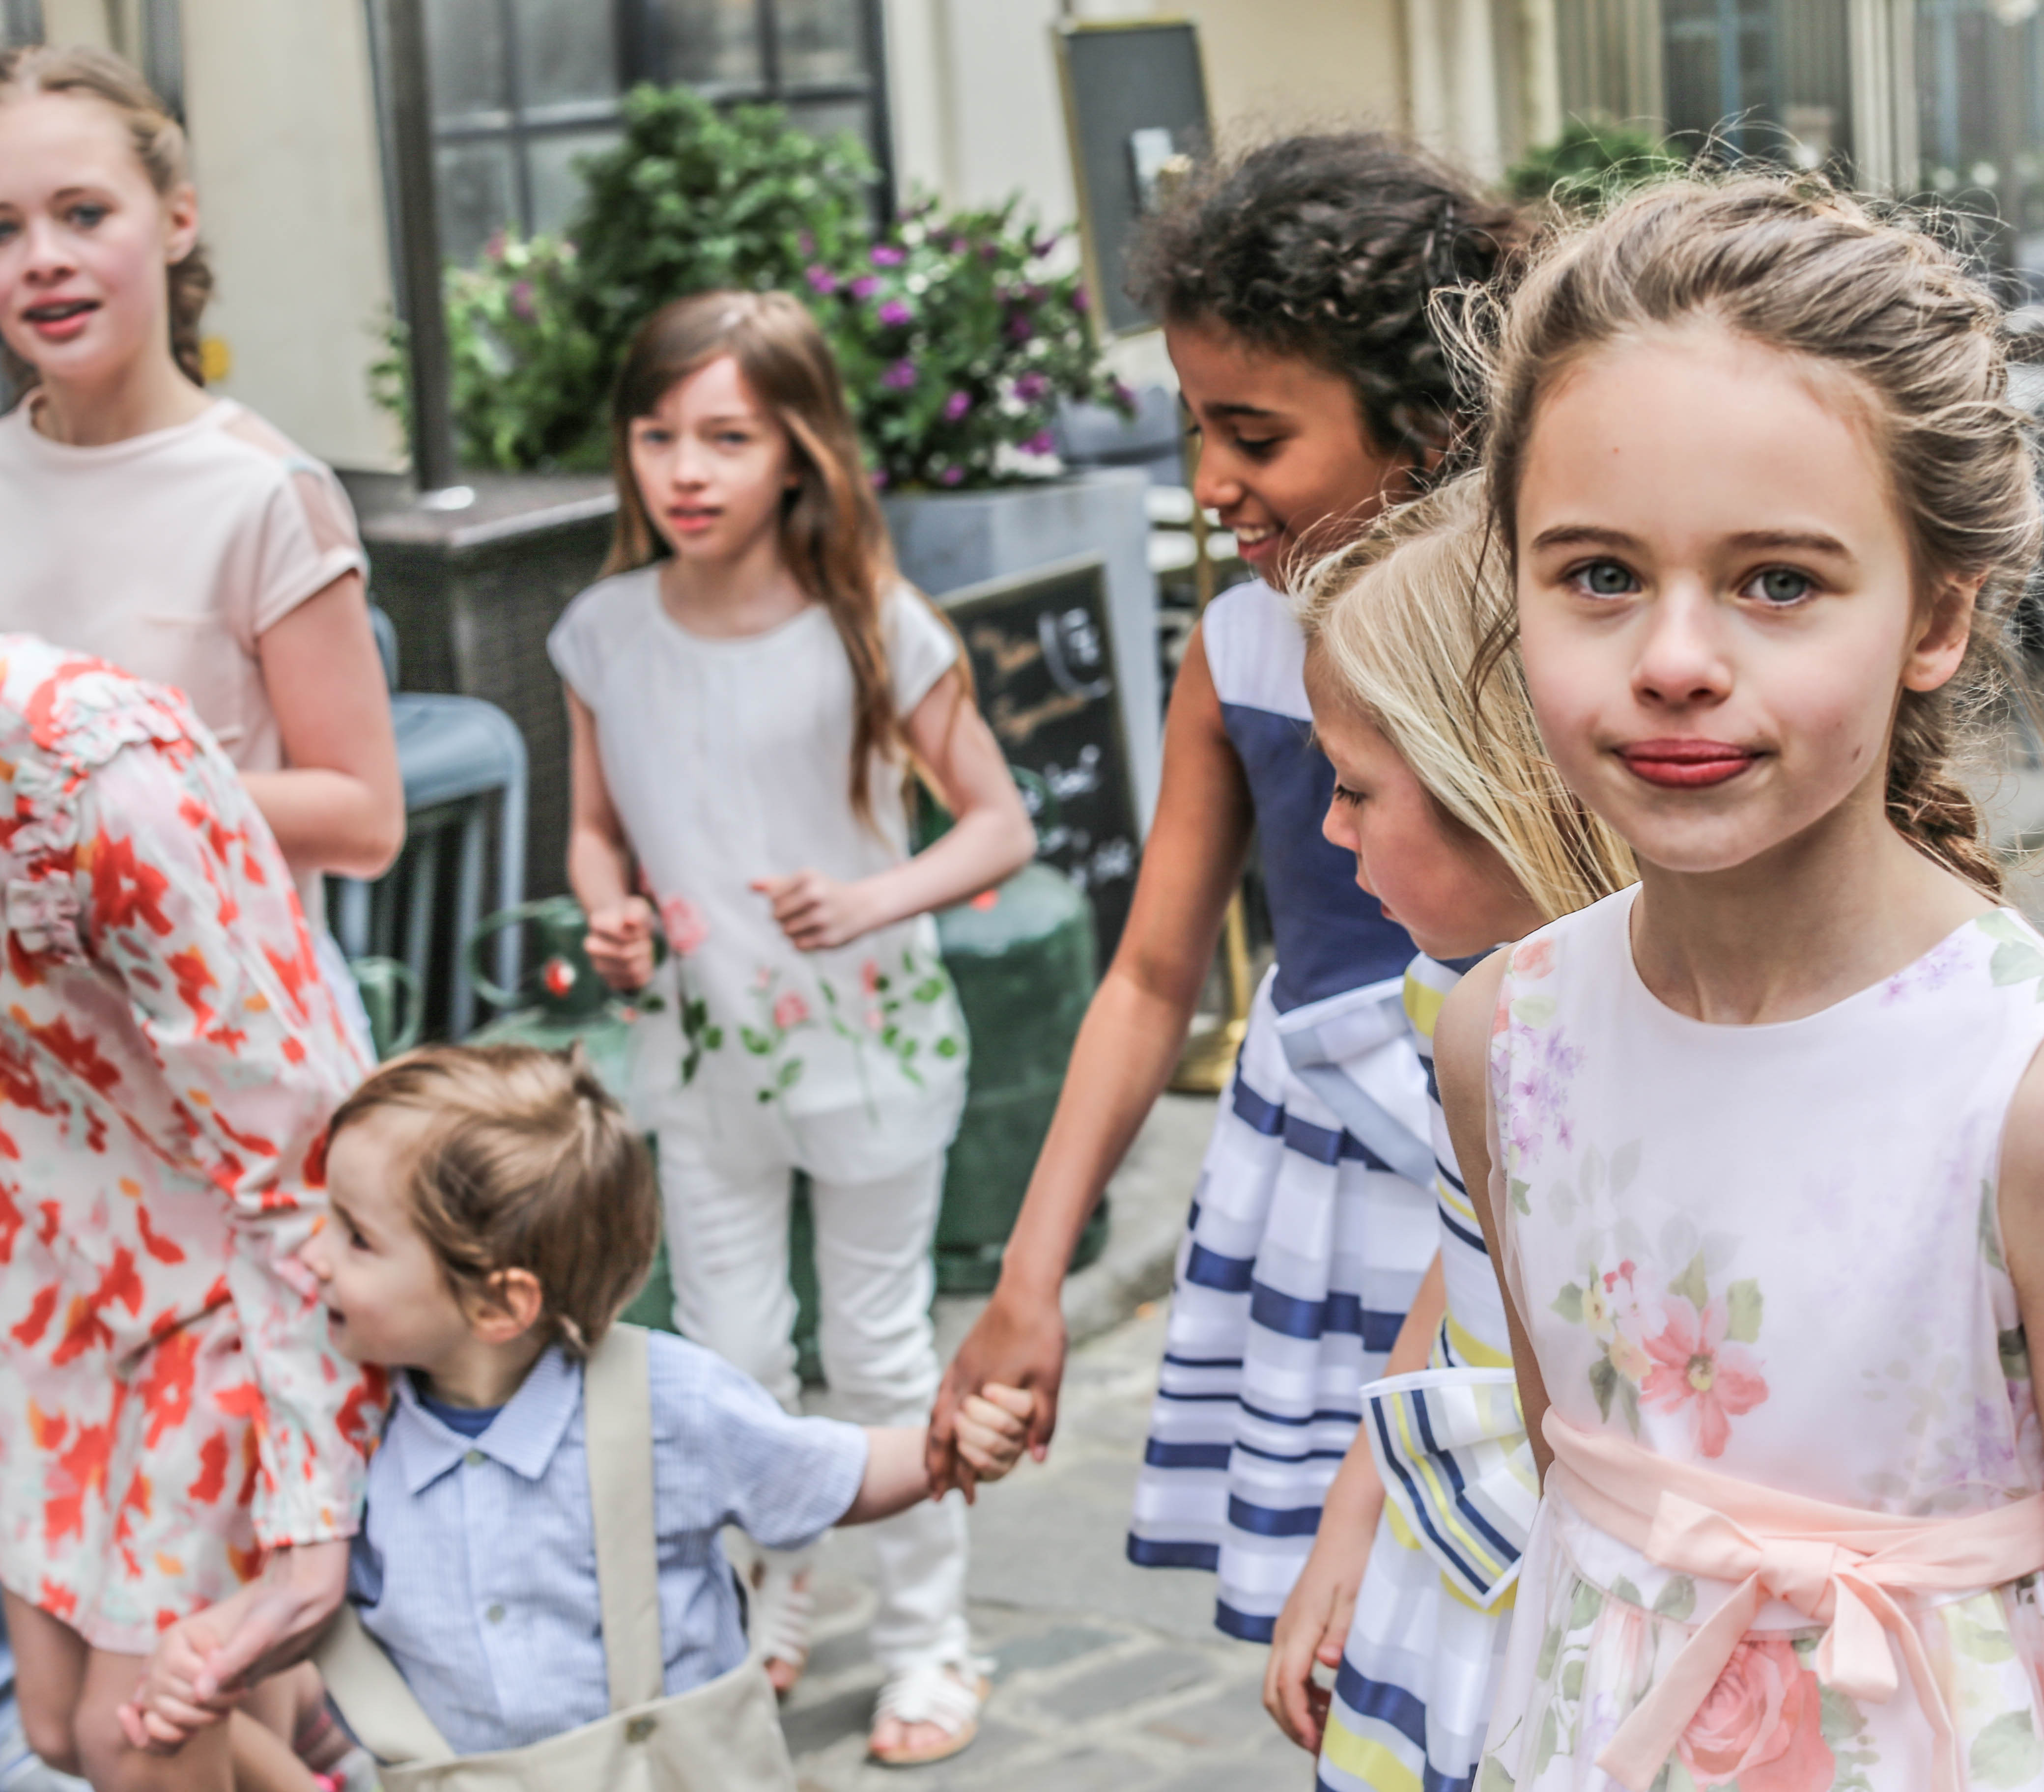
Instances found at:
x=726 y=1204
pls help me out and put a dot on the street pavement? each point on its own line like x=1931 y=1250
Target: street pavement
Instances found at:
x=1105 y=1676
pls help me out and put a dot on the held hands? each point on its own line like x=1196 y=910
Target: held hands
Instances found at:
x=1017 y=1344
x=620 y=943
x=993 y=1429
x=201 y=1666
x=817 y=912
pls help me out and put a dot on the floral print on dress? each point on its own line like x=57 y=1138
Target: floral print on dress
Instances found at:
x=173 y=1408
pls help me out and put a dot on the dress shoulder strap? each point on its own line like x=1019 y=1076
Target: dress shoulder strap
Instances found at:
x=618 y=1431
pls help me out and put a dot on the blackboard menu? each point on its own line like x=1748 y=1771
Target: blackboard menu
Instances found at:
x=1043 y=662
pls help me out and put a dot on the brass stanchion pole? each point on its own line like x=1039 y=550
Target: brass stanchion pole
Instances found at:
x=1209 y=1059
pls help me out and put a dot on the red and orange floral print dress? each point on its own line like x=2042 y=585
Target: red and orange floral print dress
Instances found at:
x=170 y=1408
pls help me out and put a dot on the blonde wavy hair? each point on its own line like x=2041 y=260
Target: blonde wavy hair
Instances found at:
x=1398 y=623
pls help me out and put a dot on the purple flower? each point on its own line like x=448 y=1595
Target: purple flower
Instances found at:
x=1031 y=387
x=1119 y=393
x=901 y=377
x=1044 y=245
x=959 y=245
x=1019 y=328
x=808 y=240
x=494 y=247
x=522 y=307
x=1082 y=299
x=956 y=405
x=953 y=475
x=879 y=478
x=865 y=287
x=1042 y=443
x=897 y=311
x=886 y=254
x=822 y=280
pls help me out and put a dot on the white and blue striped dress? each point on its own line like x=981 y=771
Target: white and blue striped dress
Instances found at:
x=1412 y=1696
x=1311 y=1226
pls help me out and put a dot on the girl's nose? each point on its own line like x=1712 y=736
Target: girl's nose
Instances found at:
x=1215 y=486
x=48 y=256
x=1338 y=826
x=1682 y=660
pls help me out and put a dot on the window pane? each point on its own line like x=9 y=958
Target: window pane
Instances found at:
x=821 y=40
x=712 y=43
x=567 y=50
x=825 y=118
x=557 y=184
x=465 y=54
x=476 y=197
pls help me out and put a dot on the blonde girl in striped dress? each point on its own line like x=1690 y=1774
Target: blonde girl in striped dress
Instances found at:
x=1463 y=830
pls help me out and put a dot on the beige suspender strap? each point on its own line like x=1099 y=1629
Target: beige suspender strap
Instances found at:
x=617 y=1420
x=386 y=1718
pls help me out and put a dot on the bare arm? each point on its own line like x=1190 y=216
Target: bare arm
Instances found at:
x=989 y=837
x=1462 y=1047
x=1314 y=1622
x=620 y=943
x=339 y=807
x=1131 y=1039
x=992 y=1427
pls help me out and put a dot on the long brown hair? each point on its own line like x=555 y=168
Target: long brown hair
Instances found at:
x=833 y=539
x=1792 y=264
x=159 y=142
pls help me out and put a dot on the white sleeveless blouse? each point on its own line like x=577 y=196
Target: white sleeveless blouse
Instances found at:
x=1773 y=1252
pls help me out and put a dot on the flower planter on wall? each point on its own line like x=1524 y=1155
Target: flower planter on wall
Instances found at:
x=945 y=540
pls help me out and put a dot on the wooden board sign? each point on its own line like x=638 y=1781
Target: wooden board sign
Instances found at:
x=1043 y=663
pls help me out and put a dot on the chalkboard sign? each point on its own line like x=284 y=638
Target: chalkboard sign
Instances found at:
x=1136 y=98
x=1043 y=662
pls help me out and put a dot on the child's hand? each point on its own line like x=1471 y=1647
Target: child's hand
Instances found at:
x=817 y=912
x=164 y=1712
x=993 y=1429
x=620 y=943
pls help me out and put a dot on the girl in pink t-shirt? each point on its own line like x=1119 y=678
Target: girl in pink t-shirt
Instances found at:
x=175 y=535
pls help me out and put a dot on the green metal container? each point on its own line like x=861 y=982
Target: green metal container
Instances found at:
x=1022 y=957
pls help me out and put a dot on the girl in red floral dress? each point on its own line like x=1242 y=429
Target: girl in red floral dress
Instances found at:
x=175 y=1430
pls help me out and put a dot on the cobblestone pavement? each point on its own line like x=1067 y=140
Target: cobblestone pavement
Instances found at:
x=1106 y=1676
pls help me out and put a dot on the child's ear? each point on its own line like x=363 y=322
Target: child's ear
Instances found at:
x=509 y=1307
x=1943 y=631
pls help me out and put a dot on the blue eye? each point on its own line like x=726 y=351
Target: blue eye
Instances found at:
x=86 y=217
x=1780 y=586
x=1603 y=578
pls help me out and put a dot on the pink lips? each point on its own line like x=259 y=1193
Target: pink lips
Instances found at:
x=1686 y=764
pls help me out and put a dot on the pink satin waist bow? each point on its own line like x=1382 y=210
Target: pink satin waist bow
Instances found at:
x=1841 y=1566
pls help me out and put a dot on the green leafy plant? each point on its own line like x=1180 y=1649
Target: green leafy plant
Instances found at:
x=1590 y=164
x=958 y=342
x=957 y=336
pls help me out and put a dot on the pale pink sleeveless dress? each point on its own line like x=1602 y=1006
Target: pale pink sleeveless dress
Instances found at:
x=1773 y=1253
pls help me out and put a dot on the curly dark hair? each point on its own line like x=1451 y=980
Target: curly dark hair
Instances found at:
x=1329 y=247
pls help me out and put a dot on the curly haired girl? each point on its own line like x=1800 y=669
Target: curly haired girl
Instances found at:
x=1293 y=284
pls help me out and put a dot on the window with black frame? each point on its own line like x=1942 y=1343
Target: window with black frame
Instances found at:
x=1763 y=77
x=523 y=88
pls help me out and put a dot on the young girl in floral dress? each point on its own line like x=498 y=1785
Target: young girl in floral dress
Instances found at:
x=1764 y=1138
x=176 y=1429
x=748 y=690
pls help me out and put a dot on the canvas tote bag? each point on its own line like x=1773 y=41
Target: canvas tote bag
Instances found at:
x=722 y=1737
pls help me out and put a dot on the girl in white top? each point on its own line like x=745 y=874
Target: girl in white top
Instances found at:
x=176 y=535
x=746 y=692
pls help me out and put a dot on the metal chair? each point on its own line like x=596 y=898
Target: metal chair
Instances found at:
x=461 y=757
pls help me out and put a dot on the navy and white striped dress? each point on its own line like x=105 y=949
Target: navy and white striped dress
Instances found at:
x=1312 y=1224
x=1419 y=1670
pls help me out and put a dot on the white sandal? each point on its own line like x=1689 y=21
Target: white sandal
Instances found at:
x=948 y=1695
x=783 y=1617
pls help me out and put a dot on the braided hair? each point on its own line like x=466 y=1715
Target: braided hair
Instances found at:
x=1329 y=247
